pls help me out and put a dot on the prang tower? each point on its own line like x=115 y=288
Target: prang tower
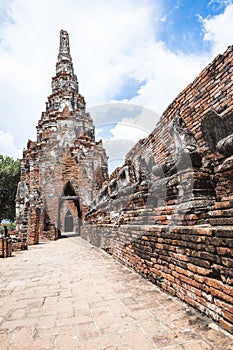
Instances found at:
x=62 y=171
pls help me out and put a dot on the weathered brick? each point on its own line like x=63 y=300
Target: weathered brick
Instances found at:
x=219 y=294
x=173 y=225
x=227 y=325
x=225 y=306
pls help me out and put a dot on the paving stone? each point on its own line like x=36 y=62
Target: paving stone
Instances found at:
x=103 y=342
x=197 y=344
x=47 y=322
x=82 y=321
x=15 y=314
x=43 y=342
x=121 y=324
x=119 y=347
x=66 y=342
x=4 y=340
x=137 y=340
x=103 y=320
x=87 y=330
x=21 y=337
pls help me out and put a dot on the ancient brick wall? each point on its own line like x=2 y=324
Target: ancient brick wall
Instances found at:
x=167 y=213
x=193 y=263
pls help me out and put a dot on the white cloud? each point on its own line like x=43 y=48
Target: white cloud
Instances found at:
x=111 y=41
x=135 y=126
x=116 y=150
x=125 y=136
x=166 y=74
x=218 y=30
x=145 y=120
x=7 y=146
x=126 y=124
x=108 y=115
x=99 y=33
x=128 y=132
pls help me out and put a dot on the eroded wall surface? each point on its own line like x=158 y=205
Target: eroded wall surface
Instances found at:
x=167 y=213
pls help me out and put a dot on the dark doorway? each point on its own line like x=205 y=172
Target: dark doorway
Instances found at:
x=69 y=222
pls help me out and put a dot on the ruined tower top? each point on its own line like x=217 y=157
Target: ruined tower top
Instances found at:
x=64 y=49
x=65 y=90
x=65 y=76
x=65 y=107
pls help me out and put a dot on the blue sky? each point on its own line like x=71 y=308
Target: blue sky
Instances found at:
x=129 y=89
x=139 y=53
x=182 y=29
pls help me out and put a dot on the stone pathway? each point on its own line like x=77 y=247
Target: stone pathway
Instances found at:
x=69 y=295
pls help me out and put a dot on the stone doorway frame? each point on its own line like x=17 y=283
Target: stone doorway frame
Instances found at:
x=69 y=194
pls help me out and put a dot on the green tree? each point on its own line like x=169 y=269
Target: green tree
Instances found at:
x=9 y=178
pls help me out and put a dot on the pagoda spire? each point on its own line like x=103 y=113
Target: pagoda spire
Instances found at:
x=64 y=49
x=65 y=91
x=64 y=60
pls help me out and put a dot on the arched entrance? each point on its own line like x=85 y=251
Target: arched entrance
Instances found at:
x=69 y=212
x=69 y=222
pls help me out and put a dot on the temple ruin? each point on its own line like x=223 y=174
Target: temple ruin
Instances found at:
x=62 y=171
x=167 y=212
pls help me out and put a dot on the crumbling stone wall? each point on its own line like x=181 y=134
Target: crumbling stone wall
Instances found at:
x=167 y=213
